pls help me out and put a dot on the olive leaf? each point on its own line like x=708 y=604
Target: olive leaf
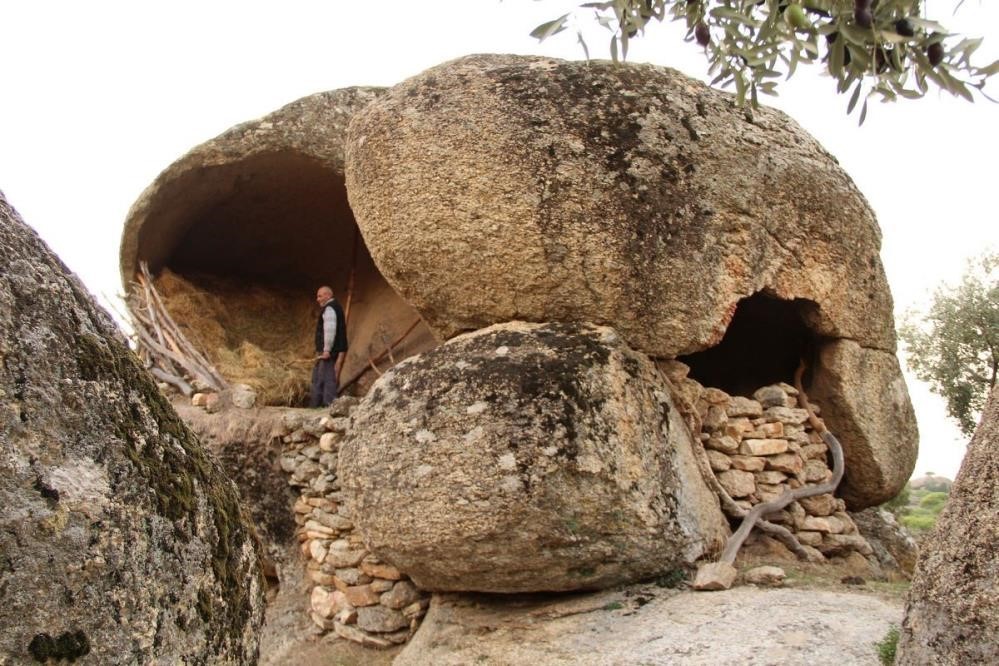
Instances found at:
x=752 y=42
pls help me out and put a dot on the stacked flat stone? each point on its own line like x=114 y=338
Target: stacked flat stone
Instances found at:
x=355 y=595
x=761 y=447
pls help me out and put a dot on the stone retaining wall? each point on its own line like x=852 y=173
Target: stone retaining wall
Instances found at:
x=757 y=447
x=761 y=447
x=357 y=596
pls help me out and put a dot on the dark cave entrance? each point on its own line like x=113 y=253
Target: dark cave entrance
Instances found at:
x=763 y=345
x=238 y=251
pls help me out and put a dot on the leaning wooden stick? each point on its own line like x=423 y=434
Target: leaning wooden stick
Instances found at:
x=176 y=380
x=188 y=349
x=381 y=356
x=350 y=297
x=165 y=344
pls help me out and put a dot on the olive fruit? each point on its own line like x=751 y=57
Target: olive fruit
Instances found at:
x=863 y=17
x=702 y=34
x=905 y=28
x=795 y=16
x=935 y=53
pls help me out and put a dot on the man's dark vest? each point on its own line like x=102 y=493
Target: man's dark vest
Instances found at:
x=340 y=340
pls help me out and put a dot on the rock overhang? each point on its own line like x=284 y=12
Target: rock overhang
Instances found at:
x=494 y=188
x=254 y=221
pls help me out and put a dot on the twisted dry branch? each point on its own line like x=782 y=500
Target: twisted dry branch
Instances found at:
x=754 y=515
x=729 y=506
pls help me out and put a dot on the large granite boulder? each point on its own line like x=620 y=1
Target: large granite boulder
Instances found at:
x=527 y=457
x=246 y=187
x=952 y=611
x=865 y=402
x=495 y=187
x=121 y=540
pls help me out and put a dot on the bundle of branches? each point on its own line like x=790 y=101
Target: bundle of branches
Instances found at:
x=168 y=354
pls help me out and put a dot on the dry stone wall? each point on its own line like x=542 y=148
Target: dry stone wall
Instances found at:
x=355 y=595
x=761 y=447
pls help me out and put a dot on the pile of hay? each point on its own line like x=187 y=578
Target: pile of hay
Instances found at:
x=252 y=334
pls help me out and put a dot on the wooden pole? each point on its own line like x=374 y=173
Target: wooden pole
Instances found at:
x=382 y=356
x=350 y=296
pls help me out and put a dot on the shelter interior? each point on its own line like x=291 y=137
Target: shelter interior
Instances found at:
x=238 y=253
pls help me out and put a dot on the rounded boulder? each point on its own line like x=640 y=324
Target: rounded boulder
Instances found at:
x=499 y=187
x=527 y=457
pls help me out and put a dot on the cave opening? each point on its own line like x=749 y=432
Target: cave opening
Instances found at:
x=238 y=251
x=763 y=344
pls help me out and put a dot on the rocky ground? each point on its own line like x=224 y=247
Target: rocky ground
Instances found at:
x=814 y=618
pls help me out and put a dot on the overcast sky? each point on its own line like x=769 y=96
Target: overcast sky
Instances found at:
x=97 y=97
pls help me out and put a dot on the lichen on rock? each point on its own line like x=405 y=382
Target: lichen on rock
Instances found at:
x=497 y=187
x=952 y=610
x=122 y=540
x=527 y=457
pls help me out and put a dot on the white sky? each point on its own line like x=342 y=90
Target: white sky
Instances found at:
x=97 y=97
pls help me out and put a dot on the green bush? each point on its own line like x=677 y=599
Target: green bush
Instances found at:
x=887 y=646
x=933 y=501
x=898 y=505
x=919 y=523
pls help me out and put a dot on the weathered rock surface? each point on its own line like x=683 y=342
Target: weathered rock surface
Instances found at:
x=494 y=188
x=527 y=457
x=866 y=404
x=744 y=625
x=239 y=228
x=893 y=545
x=952 y=611
x=121 y=540
x=282 y=146
x=247 y=444
x=498 y=187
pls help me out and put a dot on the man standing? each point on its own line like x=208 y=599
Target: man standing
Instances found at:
x=331 y=340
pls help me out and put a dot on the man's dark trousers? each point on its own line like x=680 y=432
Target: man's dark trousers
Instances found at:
x=324 y=387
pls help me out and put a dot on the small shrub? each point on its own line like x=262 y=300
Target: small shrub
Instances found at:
x=886 y=646
x=933 y=501
x=613 y=605
x=672 y=578
x=900 y=502
x=919 y=523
